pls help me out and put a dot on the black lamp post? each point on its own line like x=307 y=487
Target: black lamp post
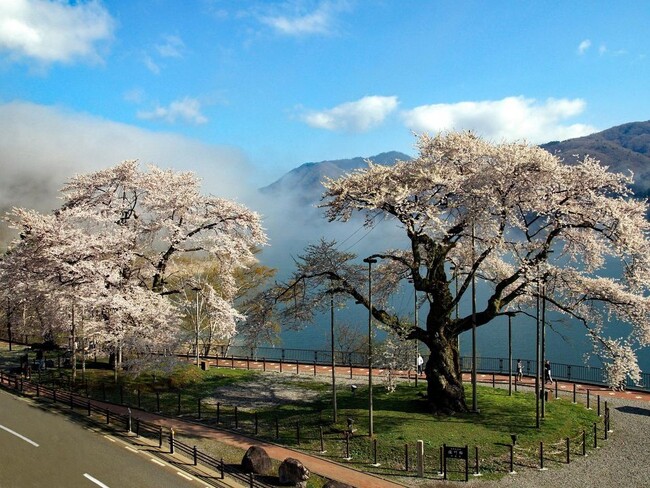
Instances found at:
x=334 y=406
x=370 y=261
x=415 y=324
x=537 y=364
x=543 y=349
x=197 y=331
x=510 y=315
x=474 y=402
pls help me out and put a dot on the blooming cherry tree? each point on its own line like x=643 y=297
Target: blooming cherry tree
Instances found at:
x=510 y=215
x=112 y=245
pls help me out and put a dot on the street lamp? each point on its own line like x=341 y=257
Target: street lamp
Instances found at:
x=196 y=290
x=543 y=349
x=537 y=365
x=474 y=406
x=370 y=261
x=415 y=326
x=510 y=315
x=334 y=407
x=454 y=270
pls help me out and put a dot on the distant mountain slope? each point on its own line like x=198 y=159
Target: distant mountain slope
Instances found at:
x=305 y=180
x=622 y=148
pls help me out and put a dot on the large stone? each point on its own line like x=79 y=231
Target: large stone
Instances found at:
x=293 y=473
x=256 y=460
x=336 y=484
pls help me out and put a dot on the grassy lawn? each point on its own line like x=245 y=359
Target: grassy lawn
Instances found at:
x=400 y=418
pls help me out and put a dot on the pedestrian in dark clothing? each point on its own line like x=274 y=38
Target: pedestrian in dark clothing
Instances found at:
x=547 y=372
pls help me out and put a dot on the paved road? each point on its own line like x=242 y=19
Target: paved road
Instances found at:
x=44 y=449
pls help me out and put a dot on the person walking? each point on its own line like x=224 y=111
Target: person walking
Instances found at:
x=520 y=370
x=420 y=363
x=547 y=372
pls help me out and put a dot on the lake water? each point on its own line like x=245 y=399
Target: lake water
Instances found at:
x=566 y=341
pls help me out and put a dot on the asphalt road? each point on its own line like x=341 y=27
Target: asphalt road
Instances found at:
x=43 y=449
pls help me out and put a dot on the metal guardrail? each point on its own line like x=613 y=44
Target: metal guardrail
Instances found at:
x=561 y=371
x=66 y=397
x=136 y=426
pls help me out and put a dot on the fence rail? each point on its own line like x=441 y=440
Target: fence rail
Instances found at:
x=561 y=371
x=140 y=428
x=364 y=450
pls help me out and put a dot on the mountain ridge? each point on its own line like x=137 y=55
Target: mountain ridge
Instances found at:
x=622 y=148
x=307 y=178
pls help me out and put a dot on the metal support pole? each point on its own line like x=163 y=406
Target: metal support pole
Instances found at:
x=474 y=400
x=371 y=430
x=509 y=354
x=543 y=352
x=537 y=365
x=334 y=406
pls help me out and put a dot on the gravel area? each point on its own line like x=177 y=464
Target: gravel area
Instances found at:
x=623 y=461
x=267 y=390
x=620 y=461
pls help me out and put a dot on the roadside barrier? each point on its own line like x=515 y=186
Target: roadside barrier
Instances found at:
x=126 y=423
x=352 y=448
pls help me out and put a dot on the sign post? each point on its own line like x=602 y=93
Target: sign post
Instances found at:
x=452 y=452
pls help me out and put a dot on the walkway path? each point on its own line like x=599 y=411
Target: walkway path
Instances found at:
x=360 y=374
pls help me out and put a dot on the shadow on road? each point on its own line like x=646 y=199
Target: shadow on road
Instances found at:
x=634 y=410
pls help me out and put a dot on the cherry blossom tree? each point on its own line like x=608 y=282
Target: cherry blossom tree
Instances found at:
x=509 y=215
x=110 y=248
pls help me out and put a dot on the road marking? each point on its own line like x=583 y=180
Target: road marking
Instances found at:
x=159 y=463
x=109 y=438
x=96 y=481
x=131 y=449
x=18 y=435
x=187 y=477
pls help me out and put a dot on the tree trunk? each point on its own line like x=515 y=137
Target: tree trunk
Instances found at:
x=445 y=391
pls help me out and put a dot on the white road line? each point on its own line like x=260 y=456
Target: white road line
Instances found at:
x=18 y=435
x=154 y=460
x=131 y=449
x=109 y=438
x=96 y=481
x=187 y=477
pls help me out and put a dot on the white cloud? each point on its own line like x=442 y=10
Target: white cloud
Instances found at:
x=172 y=47
x=151 y=65
x=186 y=110
x=301 y=23
x=43 y=146
x=511 y=118
x=584 y=46
x=53 y=31
x=359 y=116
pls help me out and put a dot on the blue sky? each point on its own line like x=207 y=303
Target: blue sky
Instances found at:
x=243 y=91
